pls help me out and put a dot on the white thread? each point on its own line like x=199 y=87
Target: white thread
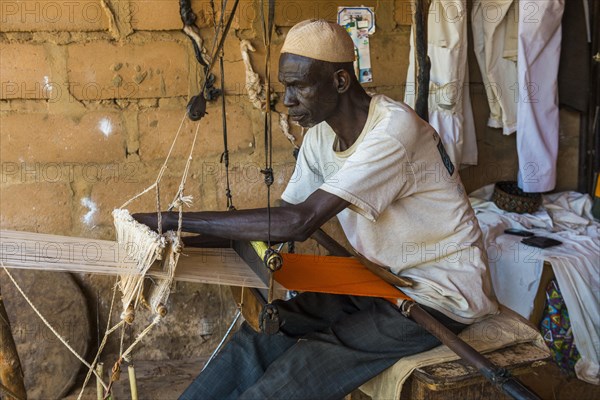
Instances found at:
x=45 y=321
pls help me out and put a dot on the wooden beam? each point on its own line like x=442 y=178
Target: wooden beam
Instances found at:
x=36 y=251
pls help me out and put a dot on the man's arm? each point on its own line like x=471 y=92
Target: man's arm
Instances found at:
x=293 y=222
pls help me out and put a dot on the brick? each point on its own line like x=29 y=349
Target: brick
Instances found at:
x=402 y=12
x=246 y=180
x=158 y=128
x=385 y=16
x=52 y=15
x=55 y=138
x=157 y=15
x=235 y=70
x=43 y=207
x=106 y=196
x=25 y=72
x=246 y=14
x=163 y=15
x=389 y=66
x=103 y=70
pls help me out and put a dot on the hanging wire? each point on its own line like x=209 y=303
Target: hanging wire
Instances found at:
x=214 y=353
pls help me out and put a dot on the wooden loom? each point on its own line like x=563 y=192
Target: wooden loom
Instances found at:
x=235 y=266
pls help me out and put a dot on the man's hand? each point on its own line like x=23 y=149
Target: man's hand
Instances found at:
x=168 y=219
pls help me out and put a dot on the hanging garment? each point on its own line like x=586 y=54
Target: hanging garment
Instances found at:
x=450 y=110
x=574 y=75
x=495 y=25
x=538 y=120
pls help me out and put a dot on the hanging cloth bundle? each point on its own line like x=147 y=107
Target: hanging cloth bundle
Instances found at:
x=197 y=104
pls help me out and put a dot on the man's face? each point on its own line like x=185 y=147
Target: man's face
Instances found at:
x=310 y=92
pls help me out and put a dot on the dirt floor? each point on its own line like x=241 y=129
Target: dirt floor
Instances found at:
x=166 y=380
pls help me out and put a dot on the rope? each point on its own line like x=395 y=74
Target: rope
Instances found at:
x=104 y=339
x=155 y=321
x=45 y=321
x=162 y=170
x=180 y=199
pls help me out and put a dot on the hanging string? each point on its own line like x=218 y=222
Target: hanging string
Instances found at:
x=161 y=172
x=268 y=171
x=225 y=31
x=47 y=323
x=225 y=154
x=104 y=340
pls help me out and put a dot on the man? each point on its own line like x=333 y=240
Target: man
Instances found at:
x=384 y=173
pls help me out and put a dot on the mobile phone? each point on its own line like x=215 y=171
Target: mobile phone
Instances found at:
x=518 y=232
x=540 y=242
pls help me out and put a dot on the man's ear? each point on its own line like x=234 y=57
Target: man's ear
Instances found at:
x=342 y=80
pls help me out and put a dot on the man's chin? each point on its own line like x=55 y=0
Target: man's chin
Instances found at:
x=304 y=124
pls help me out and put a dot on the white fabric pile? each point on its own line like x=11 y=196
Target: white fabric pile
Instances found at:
x=516 y=268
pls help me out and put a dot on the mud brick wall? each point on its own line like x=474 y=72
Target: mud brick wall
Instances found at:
x=93 y=91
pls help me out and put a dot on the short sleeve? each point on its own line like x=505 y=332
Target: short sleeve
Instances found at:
x=375 y=175
x=306 y=178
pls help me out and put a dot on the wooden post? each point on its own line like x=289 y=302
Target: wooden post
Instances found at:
x=423 y=63
x=11 y=373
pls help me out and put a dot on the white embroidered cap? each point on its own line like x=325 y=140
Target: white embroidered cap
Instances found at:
x=320 y=40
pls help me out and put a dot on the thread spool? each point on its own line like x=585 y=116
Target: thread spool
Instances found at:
x=273 y=260
x=129 y=315
x=162 y=310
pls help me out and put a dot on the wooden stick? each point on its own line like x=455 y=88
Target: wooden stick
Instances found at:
x=99 y=388
x=499 y=377
x=132 y=382
x=11 y=373
x=423 y=63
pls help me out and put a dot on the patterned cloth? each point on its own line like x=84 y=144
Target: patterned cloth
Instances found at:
x=556 y=330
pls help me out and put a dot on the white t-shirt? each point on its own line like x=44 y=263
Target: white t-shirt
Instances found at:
x=409 y=210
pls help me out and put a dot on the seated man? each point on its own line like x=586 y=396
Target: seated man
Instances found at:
x=384 y=173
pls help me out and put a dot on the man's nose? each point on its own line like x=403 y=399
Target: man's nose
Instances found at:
x=289 y=99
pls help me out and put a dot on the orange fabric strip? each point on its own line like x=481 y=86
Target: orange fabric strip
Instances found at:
x=335 y=275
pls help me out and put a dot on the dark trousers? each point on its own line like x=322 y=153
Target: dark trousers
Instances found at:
x=328 y=346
